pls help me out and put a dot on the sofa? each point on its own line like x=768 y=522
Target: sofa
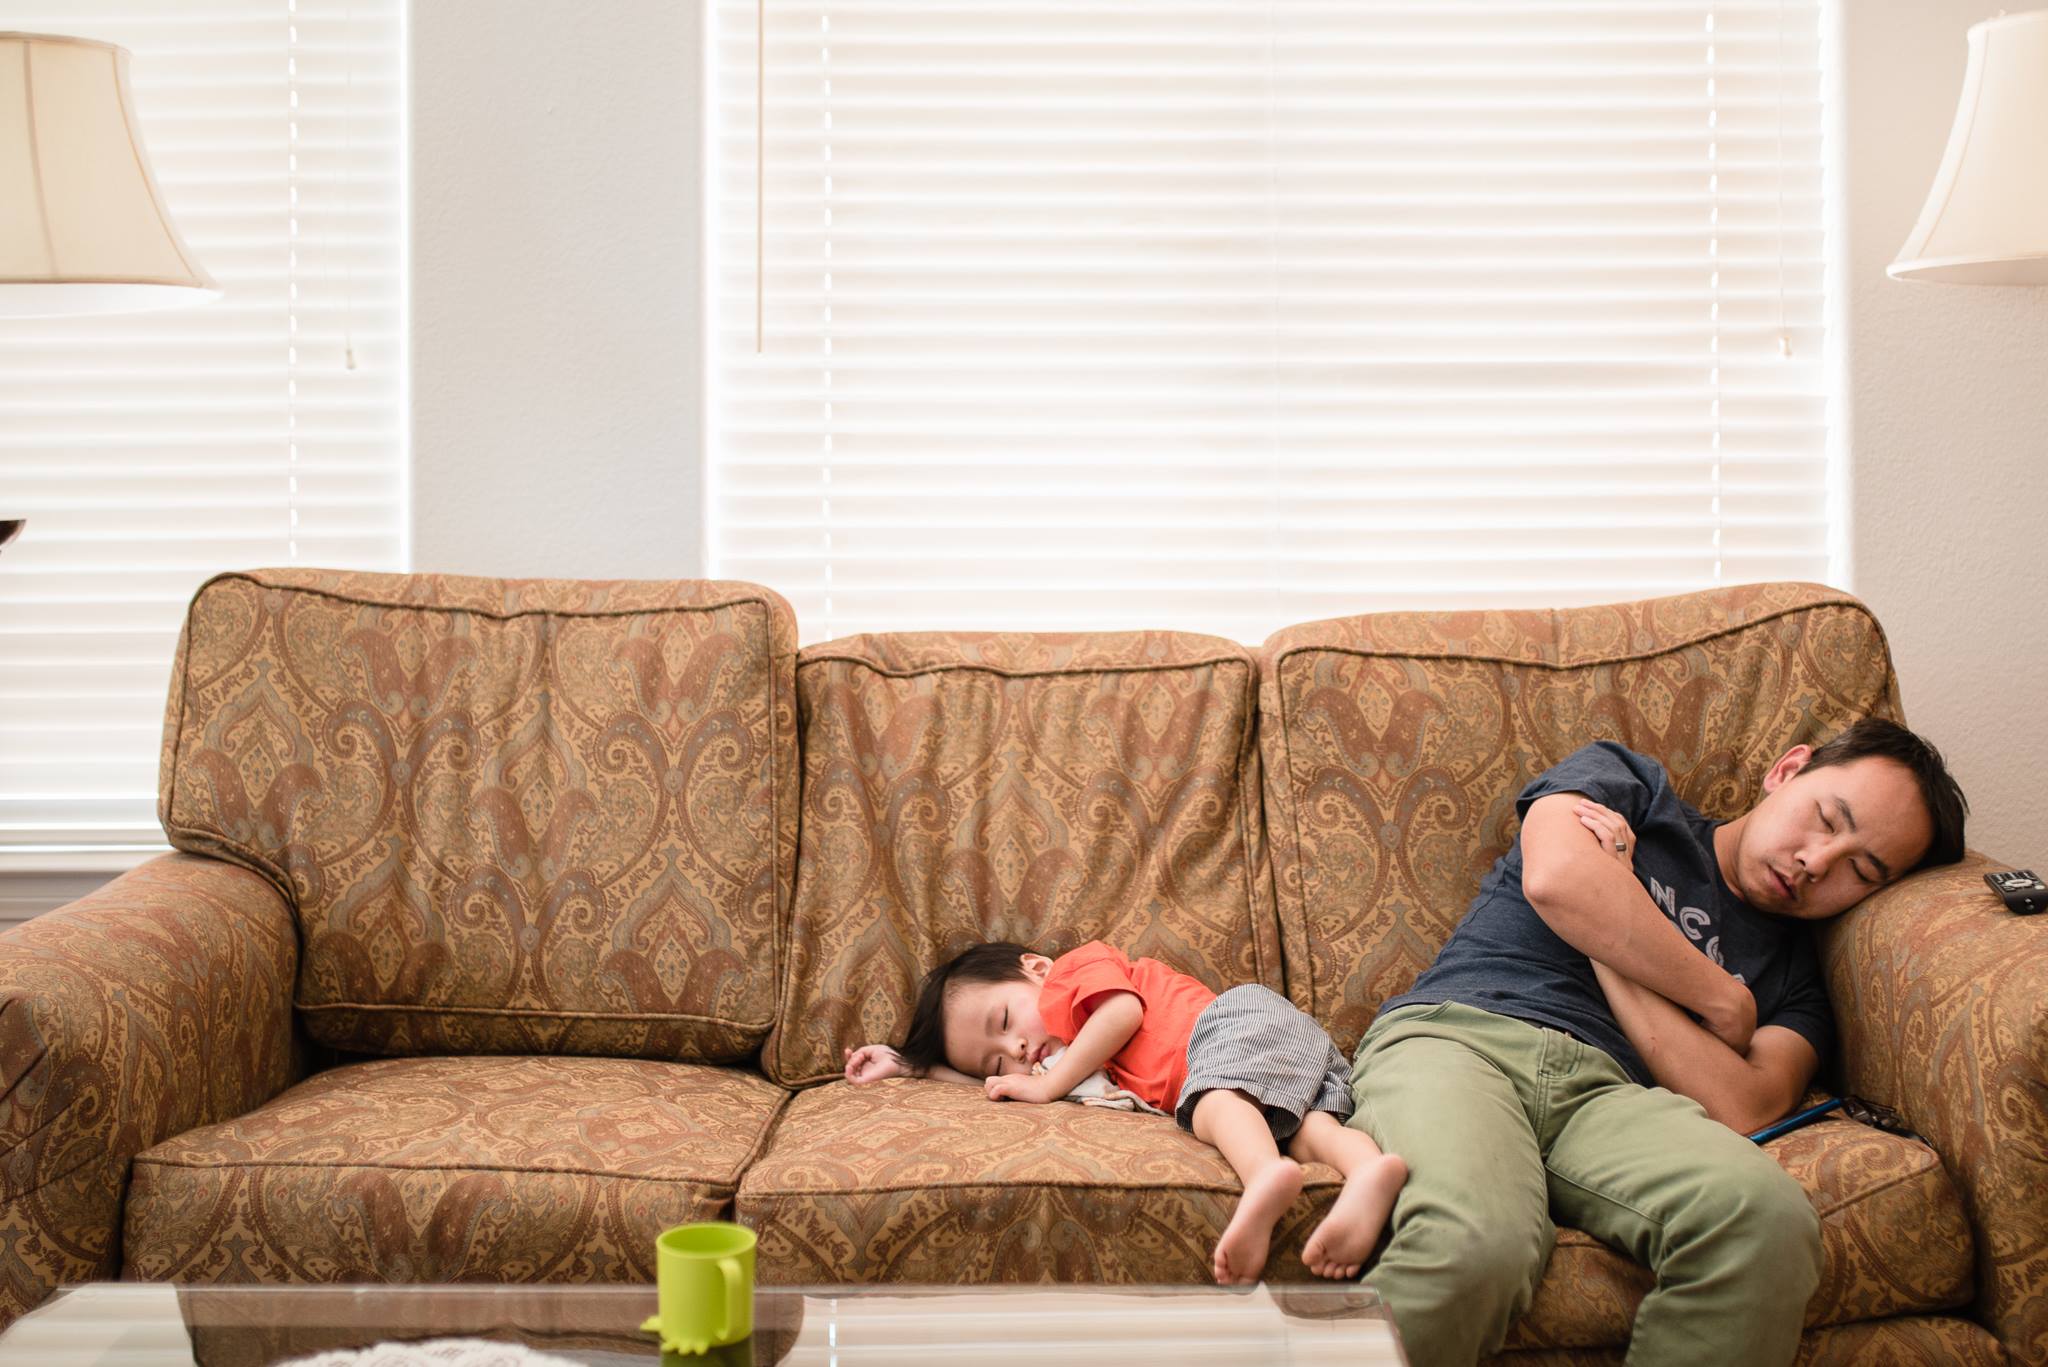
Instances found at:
x=512 y=921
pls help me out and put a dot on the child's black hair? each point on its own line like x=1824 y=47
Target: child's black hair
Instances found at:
x=999 y=961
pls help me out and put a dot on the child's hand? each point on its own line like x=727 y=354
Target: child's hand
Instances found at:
x=872 y=1063
x=1018 y=1087
x=1610 y=830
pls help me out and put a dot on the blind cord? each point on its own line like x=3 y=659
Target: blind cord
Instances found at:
x=348 y=185
x=1778 y=93
x=291 y=352
x=1714 y=280
x=760 y=165
x=825 y=461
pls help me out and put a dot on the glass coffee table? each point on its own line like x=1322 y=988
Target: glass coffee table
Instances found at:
x=136 y=1324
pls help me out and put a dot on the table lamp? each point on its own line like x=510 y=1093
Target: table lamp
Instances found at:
x=1986 y=217
x=83 y=227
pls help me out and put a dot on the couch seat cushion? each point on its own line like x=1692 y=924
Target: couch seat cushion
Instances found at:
x=450 y=1169
x=1893 y=1240
x=1901 y=1341
x=917 y=1181
x=922 y=1181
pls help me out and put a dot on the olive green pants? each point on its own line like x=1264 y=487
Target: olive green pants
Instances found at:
x=1508 y=1127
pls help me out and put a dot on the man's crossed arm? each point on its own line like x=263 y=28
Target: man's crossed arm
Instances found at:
x=1591 y=899
x=1586 y=892
x=1745 y=1092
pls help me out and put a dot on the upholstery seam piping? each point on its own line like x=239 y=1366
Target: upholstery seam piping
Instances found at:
x=264 y=1164
x=1004 y=672
x=515 y=1013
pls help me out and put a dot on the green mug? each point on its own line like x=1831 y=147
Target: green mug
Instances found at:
x=704 y=1275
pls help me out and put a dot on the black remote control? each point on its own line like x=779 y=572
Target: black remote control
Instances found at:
x=2024 y=893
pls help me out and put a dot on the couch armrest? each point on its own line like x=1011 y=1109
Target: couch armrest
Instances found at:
x=160 y=1002
x=1942 y=999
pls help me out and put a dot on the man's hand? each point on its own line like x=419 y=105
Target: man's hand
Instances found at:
x=1733 y=1022
x=1031 y=1087
x=1611 y=829
x=872 y=1063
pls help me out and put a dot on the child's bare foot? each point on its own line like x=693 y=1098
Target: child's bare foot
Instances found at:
x=1342 y=1241
x=1241 y=1252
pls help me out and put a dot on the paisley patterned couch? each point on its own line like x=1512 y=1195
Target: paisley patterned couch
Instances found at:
x=514 y=921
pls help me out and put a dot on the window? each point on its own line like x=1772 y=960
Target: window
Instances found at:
x=148 y=451
x=1223 y=315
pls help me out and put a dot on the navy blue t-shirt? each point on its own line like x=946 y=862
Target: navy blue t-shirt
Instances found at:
x=1503 y=958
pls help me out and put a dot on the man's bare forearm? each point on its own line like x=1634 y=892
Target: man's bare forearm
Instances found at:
x=1595 y=905
x=1652 y=1023
x=1744 y=1093
x=1612 y=920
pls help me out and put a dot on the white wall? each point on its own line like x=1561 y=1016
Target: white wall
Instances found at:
x=557 y=357
x=1946 y=415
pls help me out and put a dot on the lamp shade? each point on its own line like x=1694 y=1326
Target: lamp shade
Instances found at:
x=1986 y=218
x=83 y=228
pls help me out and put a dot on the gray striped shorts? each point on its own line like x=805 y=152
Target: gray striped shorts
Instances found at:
x=1253 y=1040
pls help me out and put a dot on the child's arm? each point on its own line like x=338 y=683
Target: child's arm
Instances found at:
x=1109 y=1028
x=873 y=1062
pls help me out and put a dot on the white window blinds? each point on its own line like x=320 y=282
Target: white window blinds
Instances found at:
x=148 y=451
x=1223 y=315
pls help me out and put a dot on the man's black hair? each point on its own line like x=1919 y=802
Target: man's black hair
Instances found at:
x=1876 y=738
x=999 y=961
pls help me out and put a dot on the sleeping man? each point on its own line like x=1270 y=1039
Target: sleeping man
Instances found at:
x=1633 y=991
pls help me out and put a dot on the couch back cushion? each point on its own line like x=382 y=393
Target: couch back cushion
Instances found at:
x=514 y=816
x=1395 y=745
x=1047 y=789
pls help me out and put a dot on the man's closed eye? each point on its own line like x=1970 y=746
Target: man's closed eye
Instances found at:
x=1861 y=873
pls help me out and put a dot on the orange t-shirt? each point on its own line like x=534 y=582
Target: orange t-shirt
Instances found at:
x=1154 y=1062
